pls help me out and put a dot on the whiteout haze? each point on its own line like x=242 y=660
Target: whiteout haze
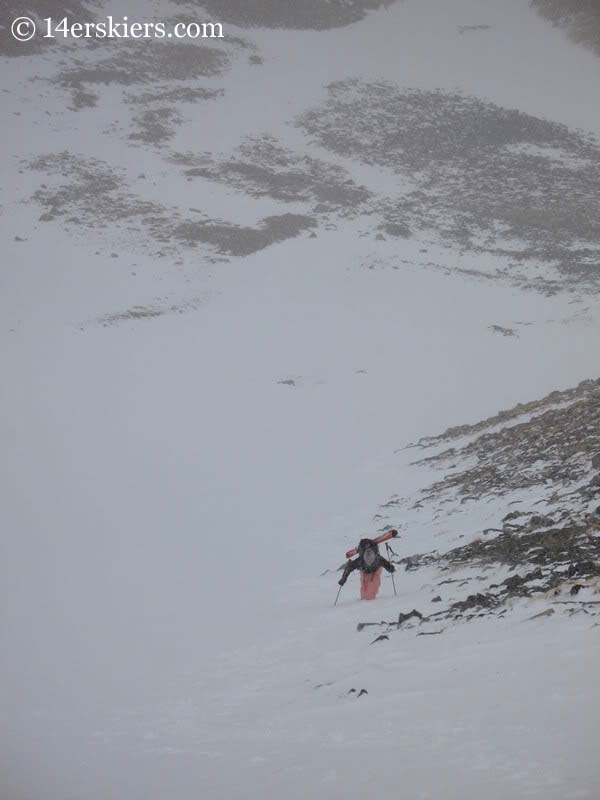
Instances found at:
x=248 y=280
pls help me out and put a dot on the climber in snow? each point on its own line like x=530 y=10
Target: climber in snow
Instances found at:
x=370 y=563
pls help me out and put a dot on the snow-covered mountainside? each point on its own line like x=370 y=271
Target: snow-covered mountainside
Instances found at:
x=246 y=283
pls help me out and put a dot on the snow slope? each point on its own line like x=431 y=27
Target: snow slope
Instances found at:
x=203 y=405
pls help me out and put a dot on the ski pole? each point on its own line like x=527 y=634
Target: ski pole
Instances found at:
x=337 y=595
x=393 y=581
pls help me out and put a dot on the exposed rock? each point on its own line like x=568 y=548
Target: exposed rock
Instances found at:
x=503 y=331
x=547 y=613
x=484 y=178
x=237 y=240
x=512 y=515
x=538 y=453
x=552 y=445
x=581 y=20
x=404 y=617
x=262 y=167
x=475 y=601
x=517 y=581
x=539 y=521
x=583 y=568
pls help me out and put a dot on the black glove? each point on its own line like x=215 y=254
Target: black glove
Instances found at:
x=342 y=581
x=392 y=568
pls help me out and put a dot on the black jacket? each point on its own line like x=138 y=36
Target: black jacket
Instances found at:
x=368 y=560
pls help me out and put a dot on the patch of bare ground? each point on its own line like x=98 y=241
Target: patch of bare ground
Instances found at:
x=147 y=61
x=305 y=15
x=150 y=62
x=545 y=563
x=155 y=125
x=485 y=179
x=148 y=312
x=580 y=19
x=541 y=461
x=88 y=193
x=558 y=565
x=263 y=168
x=82 y=98
x=556 y=449
x=91 y=194
x=503 y=331
x=180 y=94
x=133 y=313
x=156 y=115
x=238 y=240
x=585 y=389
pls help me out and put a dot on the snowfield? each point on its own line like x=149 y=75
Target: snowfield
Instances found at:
x=239 y=279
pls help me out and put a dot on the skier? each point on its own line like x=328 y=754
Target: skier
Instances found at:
x=370 y=563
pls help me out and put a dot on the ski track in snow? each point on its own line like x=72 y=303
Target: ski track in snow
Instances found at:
x=204 y=405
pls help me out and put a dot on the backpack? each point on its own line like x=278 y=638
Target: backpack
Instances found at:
x=368 y=552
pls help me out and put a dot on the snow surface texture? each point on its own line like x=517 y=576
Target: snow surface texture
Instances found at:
x=240 y=277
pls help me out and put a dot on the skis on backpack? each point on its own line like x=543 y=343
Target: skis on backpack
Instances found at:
x=378 y=540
